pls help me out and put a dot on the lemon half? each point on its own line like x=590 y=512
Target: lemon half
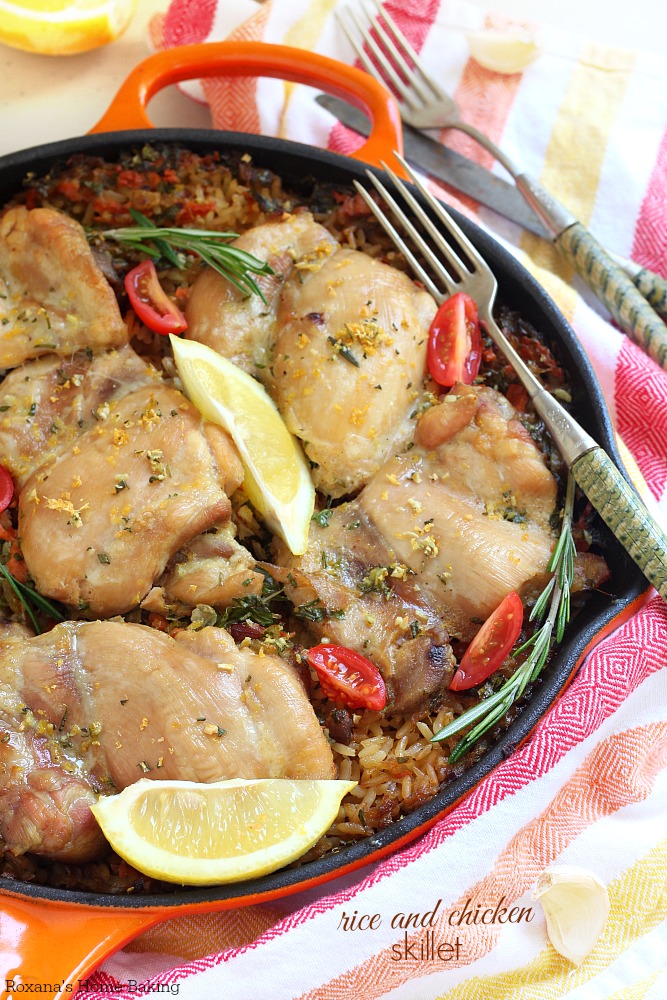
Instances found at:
x=277 y=477
x=209 y=834
x=63 y=27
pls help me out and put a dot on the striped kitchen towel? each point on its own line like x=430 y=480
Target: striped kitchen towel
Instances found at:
x=590 y=786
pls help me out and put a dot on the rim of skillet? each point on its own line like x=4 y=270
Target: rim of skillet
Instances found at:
x=519 y=291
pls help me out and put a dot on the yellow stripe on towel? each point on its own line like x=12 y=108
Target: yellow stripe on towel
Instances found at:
x=638 y=904
x=304 y=34
x=575 y=155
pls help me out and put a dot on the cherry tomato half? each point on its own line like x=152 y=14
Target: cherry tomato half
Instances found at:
x=150 y=302
x=6 y=489
x=455 y=342
x=491 y=644
x=348 y=677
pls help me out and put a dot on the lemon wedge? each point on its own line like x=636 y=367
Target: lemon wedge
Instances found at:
x=63 y=27
x=502 y=51
x=277 y=477
x=210 y=834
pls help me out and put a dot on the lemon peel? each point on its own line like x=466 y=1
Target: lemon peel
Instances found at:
x=63 y=27
x=277 y=477
x=193 y=833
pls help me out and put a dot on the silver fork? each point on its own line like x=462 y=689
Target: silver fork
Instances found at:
x=608 y=491
x=423 y=104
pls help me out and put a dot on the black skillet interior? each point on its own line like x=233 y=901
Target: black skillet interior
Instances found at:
x=302 y=166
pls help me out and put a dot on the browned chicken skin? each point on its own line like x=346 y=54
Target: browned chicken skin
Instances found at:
x=340 y=345
x=46 y=403
x=54 y=296
x=433 y=543
x=241 y=327
x=123 y=498
x=93 y=706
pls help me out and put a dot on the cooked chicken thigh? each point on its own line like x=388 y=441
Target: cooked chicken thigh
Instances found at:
x=53 y=295
x=99 y=525
x=241 y=327
x=94 y=706
x=468 y=509
x=46 y=403
x=340 y=345
x=349 y=362
x=212 y=569
x=432 y=544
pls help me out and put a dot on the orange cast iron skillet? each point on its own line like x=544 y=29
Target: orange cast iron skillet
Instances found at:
x=58 y=936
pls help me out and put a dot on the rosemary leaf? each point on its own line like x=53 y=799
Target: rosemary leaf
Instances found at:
x=29 y=597
x=211 y=246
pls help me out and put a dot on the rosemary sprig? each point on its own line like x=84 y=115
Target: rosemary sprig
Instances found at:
x=31 y=600
x=213 y=247
x=555 y=597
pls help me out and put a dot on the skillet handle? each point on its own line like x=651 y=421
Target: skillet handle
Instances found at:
x=128 y=108
x=62 y=943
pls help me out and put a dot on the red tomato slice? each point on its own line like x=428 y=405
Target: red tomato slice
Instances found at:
x=150 y=302
x=348 y=677
x=6 y=489
x=491 y=644
x=455 y=342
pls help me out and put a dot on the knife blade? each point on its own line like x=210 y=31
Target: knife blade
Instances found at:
x=448 y=166
x=468 y=177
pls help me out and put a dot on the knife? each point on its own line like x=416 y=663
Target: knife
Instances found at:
x=468 y=177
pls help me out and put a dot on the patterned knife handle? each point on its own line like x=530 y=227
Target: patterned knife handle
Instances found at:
x=652 y=286
x=624 y=300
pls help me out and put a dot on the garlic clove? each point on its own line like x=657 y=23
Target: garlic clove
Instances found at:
x=502 y=51
x=576 y=905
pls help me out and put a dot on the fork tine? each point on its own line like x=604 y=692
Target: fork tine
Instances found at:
x=446 y=248
x=384 y=31
x=443 y=215
x=414 y=57
x=366 y=37
x=394 y=235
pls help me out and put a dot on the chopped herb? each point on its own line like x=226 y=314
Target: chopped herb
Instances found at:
x=345 y=352
x=103 y=558
x=242 y=609
x=315 y=611
x=144 y=766
x=322 y=517
x=414 y=629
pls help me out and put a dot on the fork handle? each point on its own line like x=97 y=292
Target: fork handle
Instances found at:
x=625 y=513
x=651 y=285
